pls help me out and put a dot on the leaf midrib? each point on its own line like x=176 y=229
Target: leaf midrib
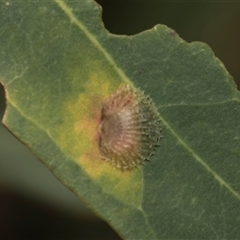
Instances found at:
x=200 y=160
x=92 y=38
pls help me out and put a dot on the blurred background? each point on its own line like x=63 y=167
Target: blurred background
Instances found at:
x=33 y=203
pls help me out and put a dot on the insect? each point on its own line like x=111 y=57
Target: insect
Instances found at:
x=129 y=129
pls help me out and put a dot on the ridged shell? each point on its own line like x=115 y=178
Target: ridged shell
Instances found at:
x=129 y=128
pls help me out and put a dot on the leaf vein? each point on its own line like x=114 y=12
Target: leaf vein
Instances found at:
x=93 y=39
x=198 y=104
x=201 y=161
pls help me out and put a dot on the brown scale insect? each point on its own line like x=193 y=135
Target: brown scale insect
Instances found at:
x=129 y=129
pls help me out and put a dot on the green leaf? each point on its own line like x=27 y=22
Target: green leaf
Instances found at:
x=58 y=63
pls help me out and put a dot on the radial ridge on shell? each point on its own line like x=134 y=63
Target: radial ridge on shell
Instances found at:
x=129 y=129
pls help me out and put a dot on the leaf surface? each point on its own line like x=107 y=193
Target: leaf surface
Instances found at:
x=58 y=64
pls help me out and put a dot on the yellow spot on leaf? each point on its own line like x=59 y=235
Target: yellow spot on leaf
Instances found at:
x=79 y=134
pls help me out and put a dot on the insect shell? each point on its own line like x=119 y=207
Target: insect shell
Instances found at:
x=129 y=130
